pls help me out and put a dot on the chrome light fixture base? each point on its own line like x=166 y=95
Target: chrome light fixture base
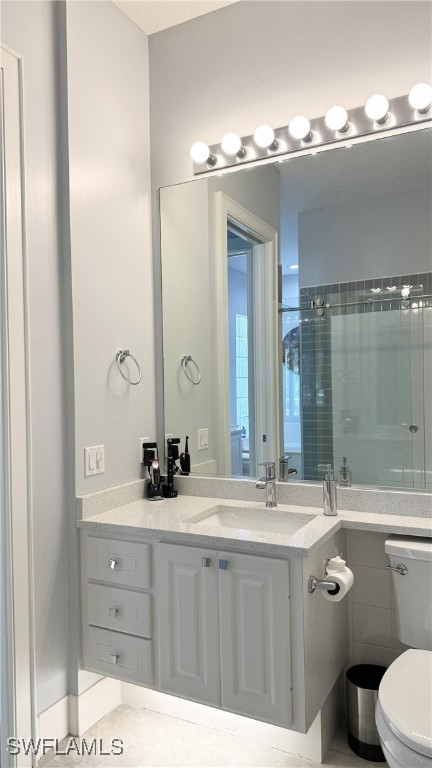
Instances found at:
x=400 y=114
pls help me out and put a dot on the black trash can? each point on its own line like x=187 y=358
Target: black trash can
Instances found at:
x=362 y=683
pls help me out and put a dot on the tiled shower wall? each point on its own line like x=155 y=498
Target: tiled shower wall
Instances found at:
x=366 y=377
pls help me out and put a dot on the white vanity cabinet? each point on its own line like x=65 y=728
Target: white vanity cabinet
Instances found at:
x=117 y=613
x=224 y=630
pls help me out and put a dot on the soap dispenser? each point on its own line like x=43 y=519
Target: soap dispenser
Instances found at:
x=345 y=476
x=329 y=492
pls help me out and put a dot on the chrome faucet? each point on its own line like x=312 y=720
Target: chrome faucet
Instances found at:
x=268 y=483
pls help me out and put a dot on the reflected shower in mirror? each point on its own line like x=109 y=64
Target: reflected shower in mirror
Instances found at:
x=302 y=291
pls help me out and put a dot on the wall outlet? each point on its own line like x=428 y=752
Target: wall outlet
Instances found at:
x=141 y=441
x=94 y=460
x=203 y=439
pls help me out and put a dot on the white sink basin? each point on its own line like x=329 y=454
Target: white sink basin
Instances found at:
x=267 y=520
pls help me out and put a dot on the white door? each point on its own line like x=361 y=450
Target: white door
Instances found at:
x=255 y=637
x=189 y=622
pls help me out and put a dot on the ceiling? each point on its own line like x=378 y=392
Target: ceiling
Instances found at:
x=154 y=15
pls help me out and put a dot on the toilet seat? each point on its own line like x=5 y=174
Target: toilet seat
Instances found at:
x=405 y=701
x=396 y=753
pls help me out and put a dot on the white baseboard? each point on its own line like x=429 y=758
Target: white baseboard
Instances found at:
x=307 y=745
x=74 y=715
x=93 y=704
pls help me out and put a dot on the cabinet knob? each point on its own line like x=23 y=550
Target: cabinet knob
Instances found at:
x=113 y=613
x=206 y=562
x=223 y=565
x=112 y=563
x=114 y=658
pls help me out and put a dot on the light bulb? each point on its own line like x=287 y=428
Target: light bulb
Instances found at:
x=420 y=97
x=336 y=119
x=264 y=137
x=231 y=145
x=405 y=292
x=299 y=128
x=200 y=153
x=377 y=108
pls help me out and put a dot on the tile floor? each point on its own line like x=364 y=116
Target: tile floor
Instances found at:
x=152 y=739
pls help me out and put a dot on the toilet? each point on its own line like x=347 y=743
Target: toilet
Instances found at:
x=403 y=712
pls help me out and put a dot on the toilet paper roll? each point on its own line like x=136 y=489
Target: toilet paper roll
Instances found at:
x=344 y=579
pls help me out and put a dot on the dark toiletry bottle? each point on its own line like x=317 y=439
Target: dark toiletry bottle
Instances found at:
x=172 y=456
x=185 y=462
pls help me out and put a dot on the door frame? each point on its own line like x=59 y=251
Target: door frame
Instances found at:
x=16 y=533
x=266 y=358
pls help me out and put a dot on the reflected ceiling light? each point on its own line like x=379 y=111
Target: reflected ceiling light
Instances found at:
x=264 y=137
x=336 y=119
x=420 y=98
x=200 y=153
x=376 y=290
x=293 y=266
x=377 y=108
x=405 y=292
x=392 y=287
x=299 y=128
x=231 y=145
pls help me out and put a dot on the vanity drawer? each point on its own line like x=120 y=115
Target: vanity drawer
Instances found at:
x=118 y=562
x=118 y=655
x=119 y=609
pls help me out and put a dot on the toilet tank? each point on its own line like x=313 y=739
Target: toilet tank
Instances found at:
x=413 y=591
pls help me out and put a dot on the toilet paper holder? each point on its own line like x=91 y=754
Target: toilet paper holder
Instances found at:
x=314 y=583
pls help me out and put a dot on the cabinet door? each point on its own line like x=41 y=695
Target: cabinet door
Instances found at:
x=255 y=637
x=189 y=622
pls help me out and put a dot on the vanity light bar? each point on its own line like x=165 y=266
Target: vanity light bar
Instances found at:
x=379 y=115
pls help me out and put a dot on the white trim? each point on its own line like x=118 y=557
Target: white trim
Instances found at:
x=228 y=209
x=16 y=377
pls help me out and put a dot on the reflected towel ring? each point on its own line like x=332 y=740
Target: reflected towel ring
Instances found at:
x=185 y=362
x=120 y=359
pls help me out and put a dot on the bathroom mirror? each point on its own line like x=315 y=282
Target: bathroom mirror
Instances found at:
x=297 y=315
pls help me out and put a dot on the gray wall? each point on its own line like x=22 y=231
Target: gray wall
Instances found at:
x=96 y=135
x=265 y=61
x=30 y=29
x=112 y=280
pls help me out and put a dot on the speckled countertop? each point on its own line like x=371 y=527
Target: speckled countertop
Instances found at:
x=178 y=520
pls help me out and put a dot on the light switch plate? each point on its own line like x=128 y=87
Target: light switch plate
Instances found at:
x=94 y=460
x=203 y=439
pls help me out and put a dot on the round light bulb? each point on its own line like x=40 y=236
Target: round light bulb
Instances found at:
x=299 y=128
x=377 y=108
x=231 y=144
x=420 y=97
x=264 y=137
x=336 y=119
x=200 y=152
x=405 y=292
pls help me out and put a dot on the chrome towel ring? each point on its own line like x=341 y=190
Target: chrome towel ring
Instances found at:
x=187 y=360
x=120 y=359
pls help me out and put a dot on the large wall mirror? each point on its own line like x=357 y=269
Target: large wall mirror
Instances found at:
x=297 y=314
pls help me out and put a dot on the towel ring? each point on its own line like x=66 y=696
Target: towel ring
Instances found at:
x=185 y=362
x=120 y=359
